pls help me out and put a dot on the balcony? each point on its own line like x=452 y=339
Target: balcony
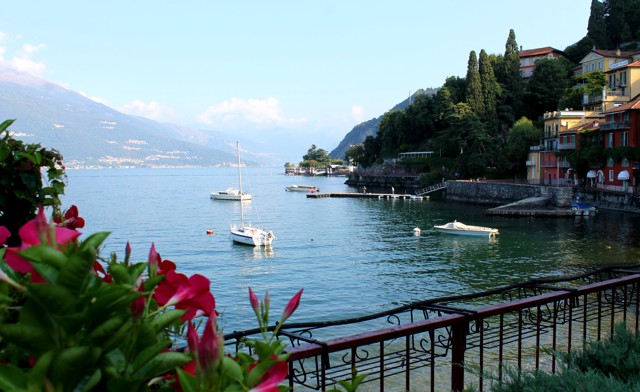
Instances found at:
x=608 y=126
x=423 y=345
x=566 y=146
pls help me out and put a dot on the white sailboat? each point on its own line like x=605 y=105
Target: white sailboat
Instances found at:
x=246 y=234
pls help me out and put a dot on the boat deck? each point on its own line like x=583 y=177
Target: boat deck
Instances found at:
x=366 y=195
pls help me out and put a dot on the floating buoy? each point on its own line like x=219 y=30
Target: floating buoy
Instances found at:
x=417 y=231
x=209 y=231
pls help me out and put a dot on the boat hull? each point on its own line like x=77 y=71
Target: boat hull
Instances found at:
x=301 y=188
x=230 y=194
x=459 y=228
x=251 y=236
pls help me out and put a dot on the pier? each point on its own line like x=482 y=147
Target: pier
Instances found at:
x=366 y=195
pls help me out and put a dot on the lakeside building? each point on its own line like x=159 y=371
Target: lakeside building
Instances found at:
x=621 y=134
x=610 y=119
x=612 y=63
x=529 y=57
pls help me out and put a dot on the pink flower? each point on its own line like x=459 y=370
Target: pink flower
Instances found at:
x=71 y=219
x=206 y=349
x=154 y=260
x=291 y=306
x=37 y=231
x=274 y=376
x=192 y=294
x=254 y=300
x=4 y=235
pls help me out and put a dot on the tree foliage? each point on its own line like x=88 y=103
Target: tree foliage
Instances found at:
x=22 y=188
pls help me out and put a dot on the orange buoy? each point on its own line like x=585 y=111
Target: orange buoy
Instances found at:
x=209 y=231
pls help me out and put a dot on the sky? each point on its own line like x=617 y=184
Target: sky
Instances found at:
x=316 y=67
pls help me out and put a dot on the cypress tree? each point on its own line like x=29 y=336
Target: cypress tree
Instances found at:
x=512 y=81
x=596 y=29
x=490 y=91
x=473 y=92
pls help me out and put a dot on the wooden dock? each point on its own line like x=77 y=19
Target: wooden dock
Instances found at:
x=388 y=196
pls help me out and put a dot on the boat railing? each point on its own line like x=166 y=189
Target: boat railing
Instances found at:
x=433 y=344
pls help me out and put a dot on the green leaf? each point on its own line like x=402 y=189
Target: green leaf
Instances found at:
x=117 y=338
x=44 y=254
x=162 y=364
x=94 y=241
x=12 y=378
x=148 y=354
x=187 y=381
x=259 y=370
x=121 y=274
x=55 y=299
x=102 y=332
x=90 y=383
x=232 y=369
x=40 y=370
x=6 y=124
x=31 y=338
x=74 y=274
x=166 y=318
x=73 y=364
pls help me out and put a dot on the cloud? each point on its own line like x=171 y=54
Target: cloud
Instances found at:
x=357 y=113
x=151 y=110
x=239 y=111
x=22 y=60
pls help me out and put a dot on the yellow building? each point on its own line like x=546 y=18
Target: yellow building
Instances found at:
x=608 y=62
x=546 y=164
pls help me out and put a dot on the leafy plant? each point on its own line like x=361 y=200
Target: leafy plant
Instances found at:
x=67 y=324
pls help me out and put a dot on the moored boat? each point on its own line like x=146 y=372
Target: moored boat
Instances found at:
x=230 y=194
x=302 y=188
x=460 y=228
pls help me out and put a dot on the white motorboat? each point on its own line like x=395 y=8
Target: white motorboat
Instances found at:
x=302 y=188
x=460 y=228
x=230 y=194
x=246 y=234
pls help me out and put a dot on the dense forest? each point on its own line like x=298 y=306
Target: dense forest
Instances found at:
x=483 y=124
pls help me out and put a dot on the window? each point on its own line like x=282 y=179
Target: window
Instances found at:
x=623 y=78
x=610 y=140
x=610 y=162
x=624 y=139
x=611 y=177
x=625 y=162
x=600 y=64
x=612 y=81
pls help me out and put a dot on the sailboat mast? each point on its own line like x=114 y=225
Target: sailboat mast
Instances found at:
x=240 y=184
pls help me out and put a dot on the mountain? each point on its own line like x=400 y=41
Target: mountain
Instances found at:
x=90 y=134
x=370 y=128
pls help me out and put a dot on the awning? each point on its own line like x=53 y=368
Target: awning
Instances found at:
x=623 y=175
x=591 y=174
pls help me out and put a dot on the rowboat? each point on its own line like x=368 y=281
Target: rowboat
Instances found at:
x=302 y=188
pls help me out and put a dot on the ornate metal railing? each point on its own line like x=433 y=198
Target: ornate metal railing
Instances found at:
x=452 y=342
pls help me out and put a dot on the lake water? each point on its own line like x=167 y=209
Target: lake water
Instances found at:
x=352 y=256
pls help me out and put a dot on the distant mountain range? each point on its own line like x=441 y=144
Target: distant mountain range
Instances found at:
x=91 y=135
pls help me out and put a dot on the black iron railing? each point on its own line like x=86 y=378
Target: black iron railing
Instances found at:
x=453 y=342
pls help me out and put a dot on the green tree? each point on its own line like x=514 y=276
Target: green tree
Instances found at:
x=490 y=91
x=547 y=86
x=316 y=154
x=514 y=155
x=473 y=92
x=596 y=28
x=22 y=188
x=511 y=80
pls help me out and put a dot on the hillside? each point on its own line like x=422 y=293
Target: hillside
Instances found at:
x=90 y=134
x=370 y=127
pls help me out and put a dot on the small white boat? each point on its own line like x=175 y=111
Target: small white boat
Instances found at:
x=302 y=188
x=230 y=194
x=460 y=228
x=252 y=236
x=247 y=234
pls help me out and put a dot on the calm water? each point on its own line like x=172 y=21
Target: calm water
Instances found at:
x=351 y=256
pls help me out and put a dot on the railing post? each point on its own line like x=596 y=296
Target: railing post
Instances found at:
x=458 y=347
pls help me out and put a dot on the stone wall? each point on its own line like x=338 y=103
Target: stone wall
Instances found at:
x=494 y=194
